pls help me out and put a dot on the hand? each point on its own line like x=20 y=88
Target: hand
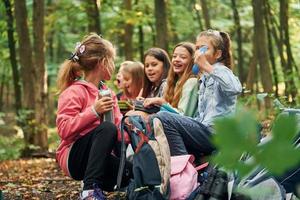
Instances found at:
x=153 y=101
x=202 y=62
x=138 y=98
x=103 y=104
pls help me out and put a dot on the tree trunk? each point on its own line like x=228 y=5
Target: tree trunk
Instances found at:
x=252 y=73
x=285 y=40
x=141 y=43
x=273 y=28
x=12 y=56
x=270 y=49
x=198 y=16
x=161 y=24
x=238 y=28
x=27 y=69
x=2 y=86
x=262 y=48
x=205 y=12
x=173 y=33
x=93 y=16
x=28 y=73
x=128 y=27
x=41 y=92
x=33 y=76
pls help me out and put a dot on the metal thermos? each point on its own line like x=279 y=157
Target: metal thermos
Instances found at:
x=107 y=116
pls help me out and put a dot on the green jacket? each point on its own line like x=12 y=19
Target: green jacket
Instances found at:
x=188 y=102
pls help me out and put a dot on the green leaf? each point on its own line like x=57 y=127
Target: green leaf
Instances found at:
x=285 y=128
x=233 y=138
x=278 y=156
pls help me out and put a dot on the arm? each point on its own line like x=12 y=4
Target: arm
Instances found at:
x=158 y=101
x=228 y=82
x=71 y=119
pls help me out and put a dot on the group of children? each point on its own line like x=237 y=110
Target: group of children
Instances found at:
x=165 y=81
x=86 y=151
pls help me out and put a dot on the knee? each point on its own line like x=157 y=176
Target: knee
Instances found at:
x=163 y=115
x=108 y=129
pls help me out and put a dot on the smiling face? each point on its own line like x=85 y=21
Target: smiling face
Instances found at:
x=154 y=69
x=120 y=80
x=180 y=60
x=127 y=82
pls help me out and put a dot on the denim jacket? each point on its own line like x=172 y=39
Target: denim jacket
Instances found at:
x=217 y=94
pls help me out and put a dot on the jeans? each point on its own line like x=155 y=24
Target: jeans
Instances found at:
x=91 y=160
x=186 y=135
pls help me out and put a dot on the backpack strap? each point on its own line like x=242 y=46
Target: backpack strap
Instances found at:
x=202 y=166
x=144 y=139
x=122 y=158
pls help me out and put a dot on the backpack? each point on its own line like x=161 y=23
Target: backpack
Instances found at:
x=151 y=159
x=184 y=176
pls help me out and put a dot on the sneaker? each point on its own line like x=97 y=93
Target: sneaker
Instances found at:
x=95 y=194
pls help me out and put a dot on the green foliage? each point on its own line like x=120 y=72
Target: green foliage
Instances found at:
x=53 y=139
x=10 y=147
x=238 y=136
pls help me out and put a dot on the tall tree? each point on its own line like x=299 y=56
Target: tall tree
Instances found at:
x=205 y=12
x=173 y=33
x=140 y=35
x=92 y=11
x=12 y=55
x=128 y=29
x=285 y=41
x=262 y=47
x=41 y=91
x=274 y=29
x=252 y=72
x=270 y=48
x=239 y=41
x=161 y=24
x=33 y=74
x=197 y=8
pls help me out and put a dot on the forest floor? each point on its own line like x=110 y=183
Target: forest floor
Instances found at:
x=36 y=179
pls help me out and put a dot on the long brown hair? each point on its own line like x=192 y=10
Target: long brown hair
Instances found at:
x=220 y=41
x=162 y=56
x=175 y=83
x=88 y=53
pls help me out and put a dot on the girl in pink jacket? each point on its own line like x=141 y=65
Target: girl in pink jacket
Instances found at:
x=87 y=142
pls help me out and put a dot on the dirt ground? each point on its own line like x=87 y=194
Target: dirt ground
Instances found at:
x=37 y=179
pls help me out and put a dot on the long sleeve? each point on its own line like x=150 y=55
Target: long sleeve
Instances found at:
x=72 y=117
x=228 y=82
x=188 y=102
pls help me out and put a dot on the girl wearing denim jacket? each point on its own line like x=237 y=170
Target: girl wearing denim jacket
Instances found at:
x=87 y=142
x=217 y=97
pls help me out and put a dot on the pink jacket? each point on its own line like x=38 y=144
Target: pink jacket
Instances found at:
x=75 y=117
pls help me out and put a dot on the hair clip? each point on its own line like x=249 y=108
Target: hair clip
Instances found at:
x=74 y=57
x=77 y=45
x=81 y=49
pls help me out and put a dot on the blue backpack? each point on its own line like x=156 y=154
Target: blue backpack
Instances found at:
x=151 y=159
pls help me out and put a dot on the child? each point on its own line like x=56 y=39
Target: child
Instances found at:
x=120 y=81
x=133 y=74
x=87 y=141
x=217 y=98
x=157 y=64
x=182 y=85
